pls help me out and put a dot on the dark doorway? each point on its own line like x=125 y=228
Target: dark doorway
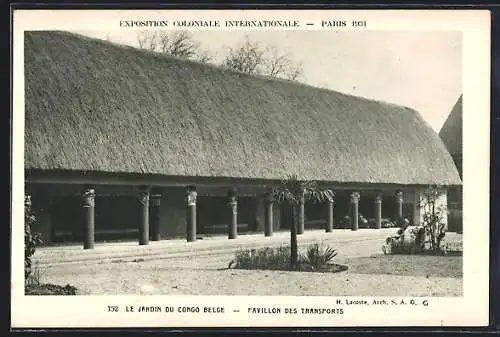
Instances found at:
x=214 y=214
x=115 y=218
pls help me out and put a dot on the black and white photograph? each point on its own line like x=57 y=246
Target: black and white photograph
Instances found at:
x=247 y=157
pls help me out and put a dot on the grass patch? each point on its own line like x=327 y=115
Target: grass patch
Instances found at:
x=410 y=265
x=49 y=289
x=315 y=259
x=33 y=286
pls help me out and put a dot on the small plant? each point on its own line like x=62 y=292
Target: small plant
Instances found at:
x=433 y=221
x=428 y=237
x=387 y=223
x=50 y=289
x=317 y=257
x=31 y=239
x=400 y=222
x=408 y=239
x=362 y=222
x=33 y=279
x=346 y=222
x=264 y=258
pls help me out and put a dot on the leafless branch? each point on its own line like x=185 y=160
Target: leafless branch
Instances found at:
x=248 y=57
x=204 y=56
x=179 y=43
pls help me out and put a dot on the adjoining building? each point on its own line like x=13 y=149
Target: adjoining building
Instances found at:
x=451 y=134
x=122 y=141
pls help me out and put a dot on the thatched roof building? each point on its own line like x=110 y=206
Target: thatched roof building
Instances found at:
x=93 y=106
x=451 y=132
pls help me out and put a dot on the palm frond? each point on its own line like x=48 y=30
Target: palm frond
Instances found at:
x=319 y=195
x=293 y=191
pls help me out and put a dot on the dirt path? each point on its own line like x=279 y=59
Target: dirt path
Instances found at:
x=177 y=268
x=156 y=278
x=166 y=249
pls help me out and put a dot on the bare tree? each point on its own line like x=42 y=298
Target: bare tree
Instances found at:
x=204 y=56
x=248 y=57
x=142 y=38
x=281 y=65
x=252 y=58
x=148 y=40
x=276 y=65
x=179 y=43
x=295 y=71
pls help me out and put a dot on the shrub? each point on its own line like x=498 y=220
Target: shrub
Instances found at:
x=400 y=222
x=409 y=240
x=384 y=223
x=33 y=277
x=433 y=220
x=31 y=239
x=264 y=258
x=318 y=258
x=362 y=222
x=315 y=258
x=387 y=223
x=429 y=237
x=50 y=289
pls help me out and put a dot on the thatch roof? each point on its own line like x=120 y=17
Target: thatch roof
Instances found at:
x=451 y=132
x=95 y=106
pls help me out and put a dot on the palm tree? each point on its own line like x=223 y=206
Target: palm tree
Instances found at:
x=294 y=192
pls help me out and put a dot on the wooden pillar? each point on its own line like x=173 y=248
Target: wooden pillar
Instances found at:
x=399 y=204
x=378 y=210
x=354 y=196
x=300 y=225
x=268 y=220
x=233 y=224
x=88 y=195
x=329 y=224
x=155 y=215
x=144 y=225
x=191 y=214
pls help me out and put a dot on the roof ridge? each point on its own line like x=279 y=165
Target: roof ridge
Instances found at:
x=222 y=68
x=90 y=106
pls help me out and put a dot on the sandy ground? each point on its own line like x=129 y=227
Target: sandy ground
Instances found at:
x=177 y=268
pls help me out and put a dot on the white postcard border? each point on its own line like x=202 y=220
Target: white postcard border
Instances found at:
x=91 y=311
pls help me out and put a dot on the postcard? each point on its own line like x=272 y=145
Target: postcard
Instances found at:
x=250 y=168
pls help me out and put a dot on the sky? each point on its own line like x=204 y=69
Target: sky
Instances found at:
x=421 y=69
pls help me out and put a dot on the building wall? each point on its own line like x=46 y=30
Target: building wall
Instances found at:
x=58 y=208
x=421 y=200
x=455 y=193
